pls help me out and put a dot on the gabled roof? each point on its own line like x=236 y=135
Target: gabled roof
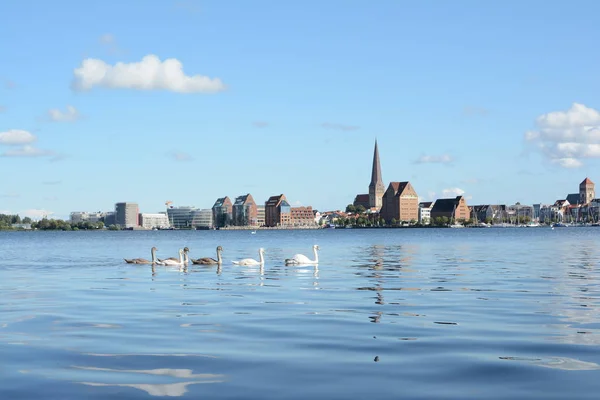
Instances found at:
x=561 y=203
x=398 y=187
x=274 y=200
x=586 y=181
x=240 y=200
x=446 y=205
x=425 y=204
x=220 y=201
x=573 y=198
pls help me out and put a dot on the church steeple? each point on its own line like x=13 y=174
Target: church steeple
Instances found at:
x=376 y=187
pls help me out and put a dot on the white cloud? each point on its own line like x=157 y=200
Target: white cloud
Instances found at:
x=453 y=192
x=181 y=156
x=567 y=137
x=340 y=127
x=149 y=74
x=26 y=151
x=568 y=162
x=70 y=115
x=107 y=38
x=441 y=159
x=473 y=111
x=10 y=195
x=36 y=214
x=51 y=182
x=16 y=137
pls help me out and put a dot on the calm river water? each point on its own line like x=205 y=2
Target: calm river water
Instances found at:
x=388 y=314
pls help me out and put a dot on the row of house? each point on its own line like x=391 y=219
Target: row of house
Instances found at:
x=276 y=211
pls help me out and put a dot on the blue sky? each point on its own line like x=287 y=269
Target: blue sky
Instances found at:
x=496 y=100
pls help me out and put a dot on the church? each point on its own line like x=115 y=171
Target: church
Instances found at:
x=399 y=202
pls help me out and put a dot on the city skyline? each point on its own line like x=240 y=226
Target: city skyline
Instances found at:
x=293 y=106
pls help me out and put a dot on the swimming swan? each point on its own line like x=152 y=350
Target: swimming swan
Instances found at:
x=210 y=261
x=185 y=256
x=301 y=259
x=251 y=261
x=177 y=263
x=143 y=260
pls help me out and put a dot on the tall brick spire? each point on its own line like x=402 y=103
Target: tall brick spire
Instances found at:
x=376 y=188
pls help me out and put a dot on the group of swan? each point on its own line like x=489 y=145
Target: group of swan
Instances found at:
x=183 y=259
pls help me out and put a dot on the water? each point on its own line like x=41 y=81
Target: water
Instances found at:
x=388 y=314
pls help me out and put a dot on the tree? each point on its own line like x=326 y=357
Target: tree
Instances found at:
x=350 y=208
x=360 y=209
x=27 y=220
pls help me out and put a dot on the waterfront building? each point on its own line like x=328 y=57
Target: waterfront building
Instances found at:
x=260 y=215
x=520 y=212
x=425 y=212
x=374 y=199
x=303 y=216
x=222 y=212
x=536 y=212
x=587 y=191
x=488 y=212
x=127 y=215
x=181 y=217
x=244 y=211
x=278 y=211
x=156 y=220
x=83 y=216
x=453 y=208
x=400 y=202
x=110 y=218
x=202 y=219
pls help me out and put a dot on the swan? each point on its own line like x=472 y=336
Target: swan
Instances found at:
x=169 y=262
x=143 y=260
x=185 y=257
x=299 y=259
x=208 y=260
x=251 y=261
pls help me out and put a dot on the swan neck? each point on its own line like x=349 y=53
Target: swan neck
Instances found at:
x=219 y=259
x=316 y=255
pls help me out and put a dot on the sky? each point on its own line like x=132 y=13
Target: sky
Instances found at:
x=188 y=101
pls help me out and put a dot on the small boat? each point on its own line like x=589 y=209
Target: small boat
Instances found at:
x=559 y=225
x=253 y=232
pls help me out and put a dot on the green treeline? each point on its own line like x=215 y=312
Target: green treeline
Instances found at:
x=7 y=221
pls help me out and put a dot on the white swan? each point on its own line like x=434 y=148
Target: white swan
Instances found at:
x=301 y=259
x=186 y=259
x=173 y=263
x=143 y=260
x=251 y=261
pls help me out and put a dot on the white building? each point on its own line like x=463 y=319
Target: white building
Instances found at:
x=425 y=212
x=83 y=216
x=202 y=219
x=150 y=221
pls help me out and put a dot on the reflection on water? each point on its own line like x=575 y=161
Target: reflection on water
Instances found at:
x=452 y=314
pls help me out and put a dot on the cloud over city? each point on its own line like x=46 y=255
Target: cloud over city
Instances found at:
x=20 y=144
x=69 y=115
x=566 y=138
x=13 y=137
x=434 y=159
x=180 y=156
x=148 y=74
x=453 y=192
x=260 y=124
x=339 y=127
